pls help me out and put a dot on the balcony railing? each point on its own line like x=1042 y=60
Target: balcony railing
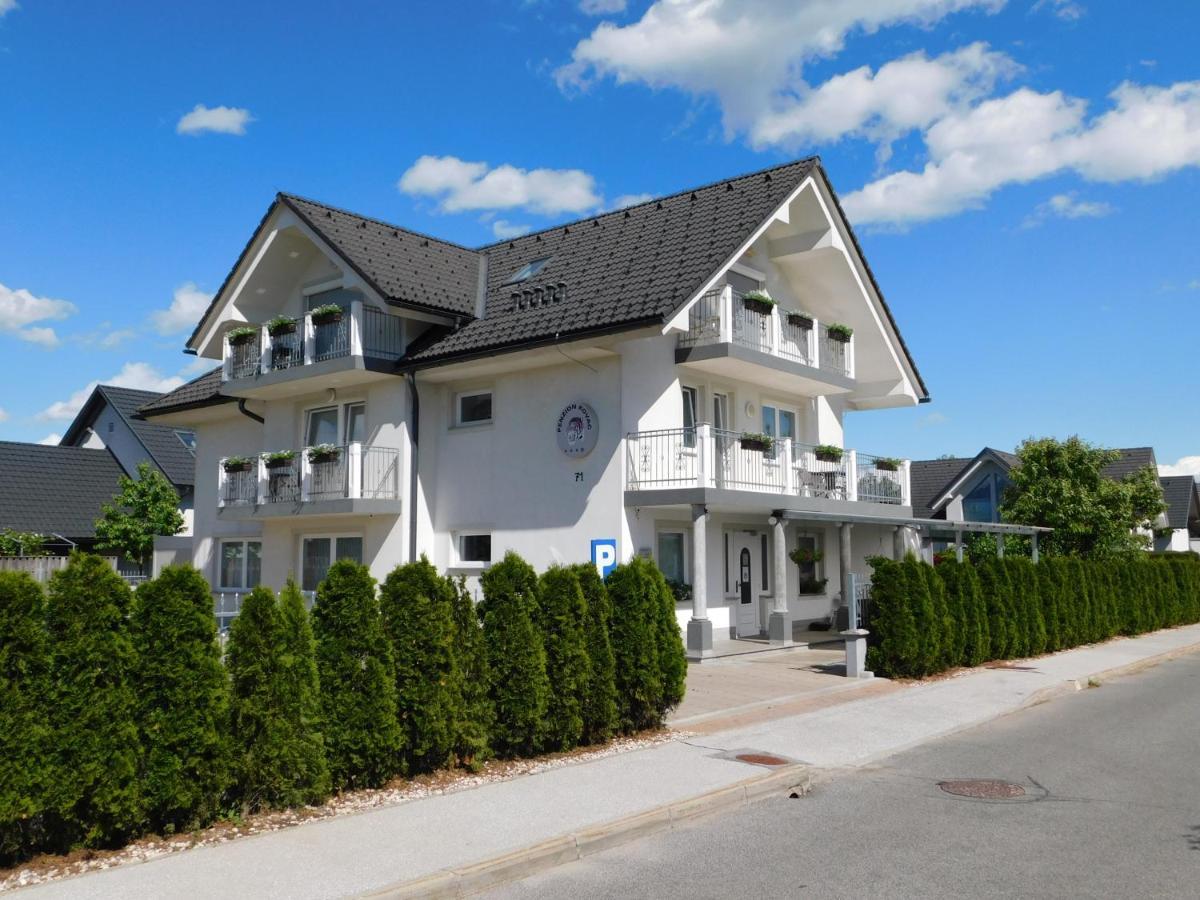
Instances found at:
x=351 y=472
x=362 y=330
x=721 y=316
x=711 y=458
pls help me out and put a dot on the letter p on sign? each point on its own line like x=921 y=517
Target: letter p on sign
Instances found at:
x=604 y=555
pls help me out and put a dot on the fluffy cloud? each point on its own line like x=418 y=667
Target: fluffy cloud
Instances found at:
x=187 y=306
x=19 y=309
x=7 y=6
x=52 y=439
x=215 y=119
x=459 y=185
x=1065 y=206
x=139 y=375
x=1067 y=10
x=1148 y=133
x=1186 y=465
x=3 y=415
x=504 y=230
x=626 y=200
x=598 y=7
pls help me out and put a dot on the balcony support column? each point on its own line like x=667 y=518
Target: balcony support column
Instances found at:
x=906 y=483
x=844 y=531
x=308 y=338
x=262 y=481
x=779 y=625
x=851 y=474
x=898 y=543
x=703 y=454
x=787 y=459
x=305 y=476
x=264 y=356
x=699 y=628
x=354 y=459
x=222 y=478
x=356 y=328
x=726 y=314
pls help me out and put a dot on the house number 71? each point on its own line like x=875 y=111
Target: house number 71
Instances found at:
x=579 y=476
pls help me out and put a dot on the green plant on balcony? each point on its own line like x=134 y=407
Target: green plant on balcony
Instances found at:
x=888 y=464
x=237 y=463
x=754 y=441
x=805 y=556
x=281 y=325
x=759 y=302
x=828 y=453
x=327 y=314
x=811 y=585
x=280 y=459
x=241 y=336
x=323 y=453
x=840 y=333
x=799 y=319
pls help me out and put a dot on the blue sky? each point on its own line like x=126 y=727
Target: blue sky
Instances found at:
x=1024 y=175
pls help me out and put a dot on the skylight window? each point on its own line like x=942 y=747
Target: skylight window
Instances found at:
x=528 y=270
x=187 y=438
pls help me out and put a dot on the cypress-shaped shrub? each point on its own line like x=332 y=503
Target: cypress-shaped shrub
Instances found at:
x=182 y=700
x=993 y=581
x=895 y=641
x=672 y=654
x=1049 y=593
x=25 y=744
x=1027 y=597
x=568 y=670
x=959 y=620
x=634 y=592
x=978 y=642
x=95 y=792
x=946 y=623
x=515 y=655
x=928 y=625
x=357 y=677
x=417 y=617
x=600 y=698
x=300 y=702
x=471 y=730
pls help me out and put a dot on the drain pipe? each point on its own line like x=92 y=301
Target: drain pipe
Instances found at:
x=249 y=415
x=415 y=433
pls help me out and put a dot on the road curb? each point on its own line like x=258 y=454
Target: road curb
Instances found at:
x=464 y=881
x=1073 y=685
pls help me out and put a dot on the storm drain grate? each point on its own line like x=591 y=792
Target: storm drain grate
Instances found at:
x=983 y=789
x=761 y=759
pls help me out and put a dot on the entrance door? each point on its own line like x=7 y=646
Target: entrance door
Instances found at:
x=745 y=587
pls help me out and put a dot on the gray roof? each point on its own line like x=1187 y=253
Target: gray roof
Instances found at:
x=1132 y=459
x=161 y=443
x=57 y=490
x=1183 y=500
x=930 y=477
x=202 y=391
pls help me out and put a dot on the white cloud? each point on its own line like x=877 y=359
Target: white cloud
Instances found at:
x=52 y=439
x=3 y=415
x=187 y=306
x=1194 y=284
x=933 y=418
x=460 y=185
x=20 y=309
x=215 y=119
x=1149 y=132
x=626 y=200
x=140 y=375
x=197 y=366
x=505 y=230
x=1067 y=10
x=7 y=6
x=116 y=338
x=1065 y=206
x=601 y=7
x=1185 y=465
x=43 y=337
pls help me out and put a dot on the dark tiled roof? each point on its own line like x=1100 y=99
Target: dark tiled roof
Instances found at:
x=930 y=477
x=1132 y=459
x=202 y=391
x=55 y=489
x=636 y=265
x=1183 y=499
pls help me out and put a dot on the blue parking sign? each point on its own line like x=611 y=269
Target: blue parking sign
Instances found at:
x=604 y=555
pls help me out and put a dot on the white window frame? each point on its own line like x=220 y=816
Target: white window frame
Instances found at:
x=457 y=539
x=459 y=396
x=818 y=538
x=334 y=537
x=340 y=407
x=244 y=541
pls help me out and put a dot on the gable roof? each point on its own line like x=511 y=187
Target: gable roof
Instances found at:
x=160 y=442
x=1183 y=499
x=930 y=480
x=199 y=392
x=55 y=490
x=1132 y=460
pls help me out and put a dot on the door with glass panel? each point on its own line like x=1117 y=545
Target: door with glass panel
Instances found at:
x=723 y=438
x=780 y=424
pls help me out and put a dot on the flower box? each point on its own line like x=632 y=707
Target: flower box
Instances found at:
x=759 y=302
x=280 y=326
x=329 y=314
x=237 y=464
x=840 y=333
x=800 y=320
x=888 y=464
x=281 y=460
x=828 y=453
x=761 y=442
x=323 y=453
x=240 y=337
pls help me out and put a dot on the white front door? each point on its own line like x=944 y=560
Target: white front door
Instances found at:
x=746 y=582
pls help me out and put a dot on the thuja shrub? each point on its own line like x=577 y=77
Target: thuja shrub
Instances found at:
x=474 y=722
x=600 y=700
x=894 y=644
x=416 y=603
x=516 y=658
x=672 y=654
x=25 y=737
x=182 y=701
x=568 y=669
x=299 y=705
x=358 y=682
x=95 y=795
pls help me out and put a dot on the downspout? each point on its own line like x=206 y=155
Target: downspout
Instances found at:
x=249 y=415
x=415 y=432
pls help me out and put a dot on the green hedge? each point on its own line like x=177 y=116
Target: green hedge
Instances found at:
x=927 y=619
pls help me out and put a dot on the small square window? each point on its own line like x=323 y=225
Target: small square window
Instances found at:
x=474 y=408
x=475 y=548
x=527 y=271
x=187 y=438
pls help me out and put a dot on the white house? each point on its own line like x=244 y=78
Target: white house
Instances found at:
x=585 y=392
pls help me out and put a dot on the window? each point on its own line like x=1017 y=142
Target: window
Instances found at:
x=528 y=271
x=356 y=423
x=473 y=408
x=188 y=439
x=743 y=284
x=807 y=545
x=475 y=548
x=241 y=565
x=689 y=416
x=322 y=426
x=671 y=560
x=317 y=554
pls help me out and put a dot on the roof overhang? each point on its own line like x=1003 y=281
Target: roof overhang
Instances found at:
x=940 y=526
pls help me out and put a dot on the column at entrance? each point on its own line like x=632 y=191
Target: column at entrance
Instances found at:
x=779 y=625
x=699 y=627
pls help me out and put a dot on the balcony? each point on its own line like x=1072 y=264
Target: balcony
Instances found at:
x=352 y=479
x=360 y=344
x=726 y=335
x=705 y=457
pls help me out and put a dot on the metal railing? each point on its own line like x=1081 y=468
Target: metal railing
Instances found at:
x=287 y=348
x=239 y=486
x=713 y=458
x=227 y=606
x=795 y=340
x=331 y=340
x=833 y=353
x=242 y=360
x=704 y=321
x=751 y=328
x=382 y=334
x=350 y=472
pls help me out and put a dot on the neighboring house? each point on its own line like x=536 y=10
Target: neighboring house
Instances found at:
x=577 y=393
x=1182 y=530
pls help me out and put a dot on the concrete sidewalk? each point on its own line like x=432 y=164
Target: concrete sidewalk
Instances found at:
x=370 y=851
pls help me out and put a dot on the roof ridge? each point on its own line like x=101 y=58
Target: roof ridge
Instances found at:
x=377 y=221
x=815 y=159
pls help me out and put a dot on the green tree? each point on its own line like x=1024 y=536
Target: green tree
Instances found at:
x=95 y=795
x=25 y=738
x=1060 y=485
x=300 y=703
x=22 y=543
x=516 y=658
x=471 y=730
x=357 y=676
x=143 y=509
x=896 y=648
x=416 y=603
x=568 y=669
x=600 y=700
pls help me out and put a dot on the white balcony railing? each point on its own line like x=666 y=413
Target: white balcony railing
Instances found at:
x=362 y=331
x=352 y=472
x=708 y=457
x=721 y=316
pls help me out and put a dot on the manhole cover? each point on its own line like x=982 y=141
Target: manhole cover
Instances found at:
x=983 y=789
x=761 y=759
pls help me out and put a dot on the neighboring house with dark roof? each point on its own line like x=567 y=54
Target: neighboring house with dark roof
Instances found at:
x=1182 y=529
x=582 y=391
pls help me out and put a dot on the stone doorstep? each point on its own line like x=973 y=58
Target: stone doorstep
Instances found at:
x=478 y=877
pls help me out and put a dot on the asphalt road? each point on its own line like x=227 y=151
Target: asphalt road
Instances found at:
x=1111 y=809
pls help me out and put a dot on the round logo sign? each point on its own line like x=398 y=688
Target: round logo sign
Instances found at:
x=577 y=429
